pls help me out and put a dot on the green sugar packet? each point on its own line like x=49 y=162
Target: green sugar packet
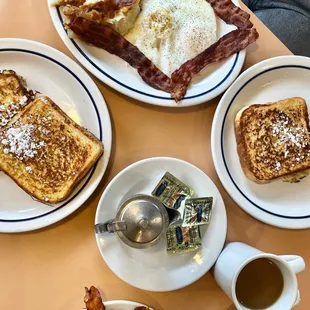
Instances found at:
x=171 y=191
x=182 y=240
x=197 y=211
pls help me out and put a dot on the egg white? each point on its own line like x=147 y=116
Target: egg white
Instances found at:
x=185 y=29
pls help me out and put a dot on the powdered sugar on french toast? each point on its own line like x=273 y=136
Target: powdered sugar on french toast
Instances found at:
x=10 y=110
x=29 y=169
x=289 y=134
x=19 y=141
x=286 y=135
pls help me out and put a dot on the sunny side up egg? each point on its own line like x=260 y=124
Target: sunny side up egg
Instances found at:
x=170 y=32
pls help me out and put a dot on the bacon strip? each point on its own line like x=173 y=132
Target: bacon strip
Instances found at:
x=69 y=2
x=72 y=12
x=107 y=8
x=93 y=300
x=226 y=46
x=98 y=11
x=104 y=37
x=231 y=14
x=111 y=6
x=103 y=6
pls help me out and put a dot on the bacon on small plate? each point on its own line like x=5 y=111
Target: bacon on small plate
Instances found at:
x=92 y=299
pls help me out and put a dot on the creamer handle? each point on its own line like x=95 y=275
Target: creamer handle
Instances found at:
x=297 y=299
x=297 y=263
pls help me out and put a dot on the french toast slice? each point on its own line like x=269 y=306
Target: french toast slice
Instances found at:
x=273 y=140
x=14 y=96
x=46 y=153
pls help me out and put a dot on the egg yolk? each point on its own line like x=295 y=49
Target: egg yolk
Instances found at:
x=160 y=22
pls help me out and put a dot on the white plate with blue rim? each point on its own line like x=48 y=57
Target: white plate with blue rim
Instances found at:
x=277 y=203
x=154 y=269
x=122 y=305
x=116 y=73
x=68 y=85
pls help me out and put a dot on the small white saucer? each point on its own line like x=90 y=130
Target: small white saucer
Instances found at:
x=122 y=305
x=153 y=269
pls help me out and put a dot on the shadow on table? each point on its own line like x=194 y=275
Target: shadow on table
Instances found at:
x=172 y=109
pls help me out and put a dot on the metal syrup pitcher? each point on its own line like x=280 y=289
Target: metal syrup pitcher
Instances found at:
x=140 y=221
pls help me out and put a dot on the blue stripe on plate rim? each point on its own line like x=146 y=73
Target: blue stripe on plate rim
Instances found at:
x=99 y=124
x=222 y=142
x=138 y=91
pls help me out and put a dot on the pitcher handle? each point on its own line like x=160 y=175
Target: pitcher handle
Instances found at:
x=296 y=262
x=110 y=226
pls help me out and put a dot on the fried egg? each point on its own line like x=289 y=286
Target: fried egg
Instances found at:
x=170 y=32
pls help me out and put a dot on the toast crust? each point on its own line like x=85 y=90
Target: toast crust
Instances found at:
x=244 y=158
x=61 y=155
x=251 y=124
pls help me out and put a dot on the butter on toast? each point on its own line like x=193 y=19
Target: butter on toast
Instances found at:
x=46 y=153
x=14 y=96
x=273 y=140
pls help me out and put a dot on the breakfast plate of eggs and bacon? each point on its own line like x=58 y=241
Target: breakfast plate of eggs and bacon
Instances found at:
x=163 y=52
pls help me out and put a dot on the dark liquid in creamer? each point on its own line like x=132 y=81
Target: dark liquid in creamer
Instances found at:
x=259 y=284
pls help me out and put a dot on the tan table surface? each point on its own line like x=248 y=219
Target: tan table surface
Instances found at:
x=48 y=269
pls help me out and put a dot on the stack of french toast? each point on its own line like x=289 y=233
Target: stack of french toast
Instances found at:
x=41 y=148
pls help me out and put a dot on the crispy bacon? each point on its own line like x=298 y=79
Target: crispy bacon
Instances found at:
x=72 y=12
x=93 y=300
x=226 y=46
x=97 y=11
x=109 y=7
x=101 y=5
x=104 y=37
x=69 y=2
x=231 y=14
